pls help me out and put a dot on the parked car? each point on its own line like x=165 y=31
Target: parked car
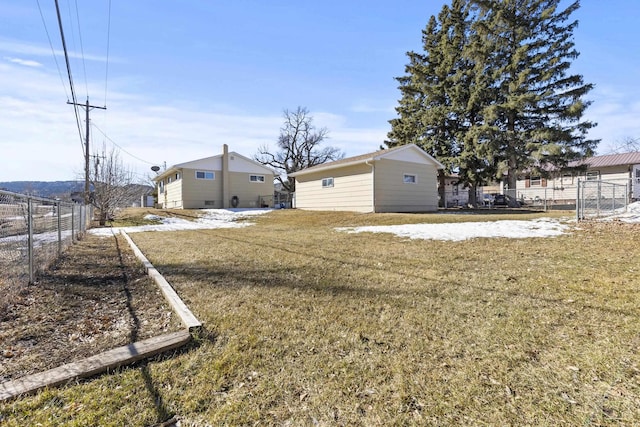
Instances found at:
x=500 y=200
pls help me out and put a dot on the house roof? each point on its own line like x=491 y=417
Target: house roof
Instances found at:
x=369 y=157
x=198 y=163
x=611 y=160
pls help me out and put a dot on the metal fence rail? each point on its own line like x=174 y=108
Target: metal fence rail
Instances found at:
x=33 y=233
x=601 y=198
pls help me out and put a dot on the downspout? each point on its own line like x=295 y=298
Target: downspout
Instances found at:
x=225 y=176
x=373 y=186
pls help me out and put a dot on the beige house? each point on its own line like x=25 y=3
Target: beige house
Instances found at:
x=622 y=169
x=228 y=180
x=400 y=179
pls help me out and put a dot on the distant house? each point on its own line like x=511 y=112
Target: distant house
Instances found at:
x=222 y=181
x=455 y=193
x=622 y=169
x=400 y=179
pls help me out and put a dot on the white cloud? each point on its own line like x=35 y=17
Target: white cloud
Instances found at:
x=25 y=62
x=616 y=114
x=39 y=135
x=26 y=49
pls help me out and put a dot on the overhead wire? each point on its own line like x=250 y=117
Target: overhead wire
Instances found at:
x=53 y=51
x=106 y=74
x=84 y=64
x=120 y=147
x=73 y=91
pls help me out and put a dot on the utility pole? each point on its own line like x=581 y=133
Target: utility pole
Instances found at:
x=87 y=108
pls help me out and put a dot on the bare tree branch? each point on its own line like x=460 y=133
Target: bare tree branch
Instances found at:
x=298 y=147
x=113 y=184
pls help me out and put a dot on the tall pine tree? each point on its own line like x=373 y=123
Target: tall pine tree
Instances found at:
x=534 y=111
x=491 y=95
x=436 y=111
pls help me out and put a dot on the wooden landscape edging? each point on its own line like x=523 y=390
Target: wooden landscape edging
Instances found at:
x=116 y=357
x=186 y=316
x=95 y=364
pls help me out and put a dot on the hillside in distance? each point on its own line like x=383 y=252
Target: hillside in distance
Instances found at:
x=50 y=189
x=63 y=190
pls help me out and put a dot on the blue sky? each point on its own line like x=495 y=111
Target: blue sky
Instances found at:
x=184 y=78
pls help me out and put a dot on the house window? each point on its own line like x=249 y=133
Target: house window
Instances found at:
x=169 y=180
x=209 y=202
x=567 y=178
x=161 y=187
x=205 y=175
x=256 y=178
x=536 y=181
x=327 y=183
x=409 y=178
x=593 y=175
x=177 y=176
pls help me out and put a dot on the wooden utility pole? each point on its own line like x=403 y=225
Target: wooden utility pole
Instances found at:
x=87 y=108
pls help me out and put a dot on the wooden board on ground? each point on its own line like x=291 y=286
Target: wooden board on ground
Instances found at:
x=93 y=365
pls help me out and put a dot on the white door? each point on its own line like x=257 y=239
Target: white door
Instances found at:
x=635 y=182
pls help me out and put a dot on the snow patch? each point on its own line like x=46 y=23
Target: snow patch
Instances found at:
x=211 y=218
x=514 y=229
x=631 y=215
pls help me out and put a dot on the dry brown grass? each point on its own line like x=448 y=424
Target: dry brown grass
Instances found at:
x=310 y=326
x=96 y=297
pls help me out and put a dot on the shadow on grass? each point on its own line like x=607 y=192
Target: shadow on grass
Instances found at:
x=283 y=277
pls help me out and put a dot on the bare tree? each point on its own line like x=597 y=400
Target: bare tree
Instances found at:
x=627 y=145
x=113 y=185
x=297 y=148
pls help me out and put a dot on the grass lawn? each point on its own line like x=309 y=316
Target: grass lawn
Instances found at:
x=310 y=326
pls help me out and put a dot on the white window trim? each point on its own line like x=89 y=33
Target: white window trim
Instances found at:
x=327 y=182
x=592 y=175
x=567 y=178
x=406 y=175
x=213 y=175
x=257 y=180
x=535 y=181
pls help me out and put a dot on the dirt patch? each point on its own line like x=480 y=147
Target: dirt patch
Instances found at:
x=95 y=297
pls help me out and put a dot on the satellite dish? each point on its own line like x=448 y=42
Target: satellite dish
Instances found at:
x=155 y=168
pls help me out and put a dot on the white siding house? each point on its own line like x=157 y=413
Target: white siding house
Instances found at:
x=222 y=181
x=400 y=179
x=622 y=169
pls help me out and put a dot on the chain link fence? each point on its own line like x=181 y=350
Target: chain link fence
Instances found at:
x=601 y=198
x=33 y=233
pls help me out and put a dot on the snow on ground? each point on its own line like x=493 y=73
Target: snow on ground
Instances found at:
x=543 y=227
x=631 y=215
x=212 y=218
x=516 y=229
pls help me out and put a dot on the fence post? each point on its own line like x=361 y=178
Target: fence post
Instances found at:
x=627 y=196
x=30 y=238
x=578 y=201
x=598 y=199
x=73 y=223
x=57 y=205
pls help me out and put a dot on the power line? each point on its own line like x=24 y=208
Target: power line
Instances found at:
x=120 y=147
x=106 y=74
x=66 y=58
x=84 y=63
x=53 y=52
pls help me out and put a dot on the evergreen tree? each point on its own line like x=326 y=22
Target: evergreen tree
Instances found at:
x=533 y=114
x=491 y=94
x=436 y=111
